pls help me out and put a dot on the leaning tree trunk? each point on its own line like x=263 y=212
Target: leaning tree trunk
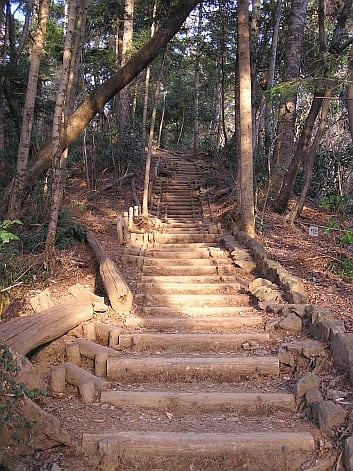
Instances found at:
x=310 y=159
x=284 y=148
x=282 y=200
x=28 y=112
x=95 y=102
x=246 y=184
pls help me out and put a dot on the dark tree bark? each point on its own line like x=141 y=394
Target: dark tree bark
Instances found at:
x=281 y=202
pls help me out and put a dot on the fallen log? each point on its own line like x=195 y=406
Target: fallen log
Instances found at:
x=117 y=290
x=24 y=334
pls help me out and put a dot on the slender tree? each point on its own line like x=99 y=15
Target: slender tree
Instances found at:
x=59 y=155
x=28 y=111
x=245 y=174
x=284 y=148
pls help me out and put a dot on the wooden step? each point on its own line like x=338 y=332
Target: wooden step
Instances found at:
x=188 y=270
x=181 y=403
x=202 y=253
x=193 y=279
x=186 y=238
x=192 y=262
x=190 y=342
x=191 y=300
x=190 y=288
x=203 y=311
x=147 y=451
x=196 y=324
x=217 y=368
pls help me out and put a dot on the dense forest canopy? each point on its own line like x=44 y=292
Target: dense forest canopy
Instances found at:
x=83 y=83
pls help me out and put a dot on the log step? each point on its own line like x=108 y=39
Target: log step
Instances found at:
x=225 y=368
x=196 y=324
x=190 y=262
x=200 y=311
x=187 y=341
x=181 y=403
x=266 y=451
x=191 y=288
x=190 y=300
x=189 y=270
x=198 y=279
x=184 y=238
x=207 y=253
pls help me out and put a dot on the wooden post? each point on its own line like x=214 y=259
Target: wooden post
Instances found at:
x=136 y=211
x=73 y=354
x=131 y=217
x=57 y=379
x=119 y=230
x=89 y=330
x=100 y=364
x=87 y=392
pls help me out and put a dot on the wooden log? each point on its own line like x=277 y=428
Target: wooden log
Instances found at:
x=100 y=364
x=119 y=293
x=87 y=392
x=89 y=330
x=90 y=349
x=80 y=292
x=119 y=229
x=248 y=404
x=73 y=354
x=24 y=334
x=57 y=379
x=184 y=369
x=77 y=376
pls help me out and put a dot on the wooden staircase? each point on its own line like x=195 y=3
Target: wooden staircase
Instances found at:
x=195 y=359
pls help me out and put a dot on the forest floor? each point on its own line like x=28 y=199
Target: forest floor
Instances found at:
x=304 y=255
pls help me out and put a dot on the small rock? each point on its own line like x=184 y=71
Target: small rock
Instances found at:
x=285 y=357
x=298 y=309
x=306 y=383
x=313 y=396
x=251 y=345
x=55 y=467
x=328 y=415
x=271 y=324
x=291 y=323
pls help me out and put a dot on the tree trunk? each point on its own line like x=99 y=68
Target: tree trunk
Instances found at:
x=281 y=202
x=150 y=142
x=147 y=81
x=102 y=94
x=350 y=92
x=284 y=148
x=28 y=111
x=196 y=118
x=310 y=159
x=24 y=334
x=59 y=155
x=118 y=292
x=123 y=98
x=246 y=187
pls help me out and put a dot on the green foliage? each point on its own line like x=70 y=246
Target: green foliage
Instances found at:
x=342 y=266
x=335 y=202
x=344 y=237
x=5 y=235
x=11 y=392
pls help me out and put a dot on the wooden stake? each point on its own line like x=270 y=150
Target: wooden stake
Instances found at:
x=73 y=354
x=57 y=379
